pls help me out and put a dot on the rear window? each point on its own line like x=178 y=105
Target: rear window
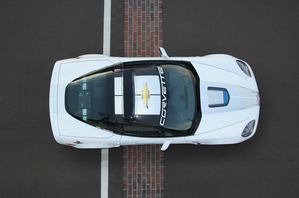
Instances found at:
x=90 y=98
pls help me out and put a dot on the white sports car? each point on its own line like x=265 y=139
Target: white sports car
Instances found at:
x=99 y=101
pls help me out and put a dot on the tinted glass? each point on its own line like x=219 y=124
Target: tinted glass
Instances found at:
x=145 y=131
x=145 y=99
x=90 y=99
x=179 y=99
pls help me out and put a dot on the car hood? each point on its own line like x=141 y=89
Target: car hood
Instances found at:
x=239 y=102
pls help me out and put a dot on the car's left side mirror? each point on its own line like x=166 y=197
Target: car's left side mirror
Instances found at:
x=163 y=53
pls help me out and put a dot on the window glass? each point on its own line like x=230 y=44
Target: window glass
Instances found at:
x=144 y=131
x=90 y=99
x=180 y=100
x=146 y=99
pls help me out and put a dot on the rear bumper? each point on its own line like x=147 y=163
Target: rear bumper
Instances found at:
x=53 y=107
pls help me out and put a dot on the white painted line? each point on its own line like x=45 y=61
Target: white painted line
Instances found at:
x=104 y=173
x=106 y=51
x=107 y=27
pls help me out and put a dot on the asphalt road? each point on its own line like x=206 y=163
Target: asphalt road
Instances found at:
x=265 y=34
x=34 y=34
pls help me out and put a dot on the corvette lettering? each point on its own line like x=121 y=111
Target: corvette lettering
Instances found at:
x=164 y=98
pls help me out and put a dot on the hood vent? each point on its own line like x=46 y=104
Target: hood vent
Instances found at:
x=218 y=97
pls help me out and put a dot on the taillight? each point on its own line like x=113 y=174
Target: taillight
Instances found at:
x=68 y=144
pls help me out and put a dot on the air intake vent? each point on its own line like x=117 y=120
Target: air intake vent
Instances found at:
x=218 y=97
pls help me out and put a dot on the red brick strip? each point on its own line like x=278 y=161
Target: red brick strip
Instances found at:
x=143 y=171
x=142 y=28
x=143 y=166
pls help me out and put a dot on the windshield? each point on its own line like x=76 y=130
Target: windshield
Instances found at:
x=179 y=99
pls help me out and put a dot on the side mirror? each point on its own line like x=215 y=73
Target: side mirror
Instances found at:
x=166 y=145
x=163 y=53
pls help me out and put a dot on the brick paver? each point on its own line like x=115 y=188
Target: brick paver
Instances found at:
x=143 y=171
x=142 y=28
x=143 y=165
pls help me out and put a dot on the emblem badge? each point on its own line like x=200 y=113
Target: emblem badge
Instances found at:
x=145 y=94
x=78 y=142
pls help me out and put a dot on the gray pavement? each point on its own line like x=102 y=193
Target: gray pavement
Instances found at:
x=34 y=34
x=265 y=34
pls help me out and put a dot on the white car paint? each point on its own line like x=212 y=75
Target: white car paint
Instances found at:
x=217 y=126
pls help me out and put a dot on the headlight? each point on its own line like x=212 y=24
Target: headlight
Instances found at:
x=248 y=129
x=243 y=66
